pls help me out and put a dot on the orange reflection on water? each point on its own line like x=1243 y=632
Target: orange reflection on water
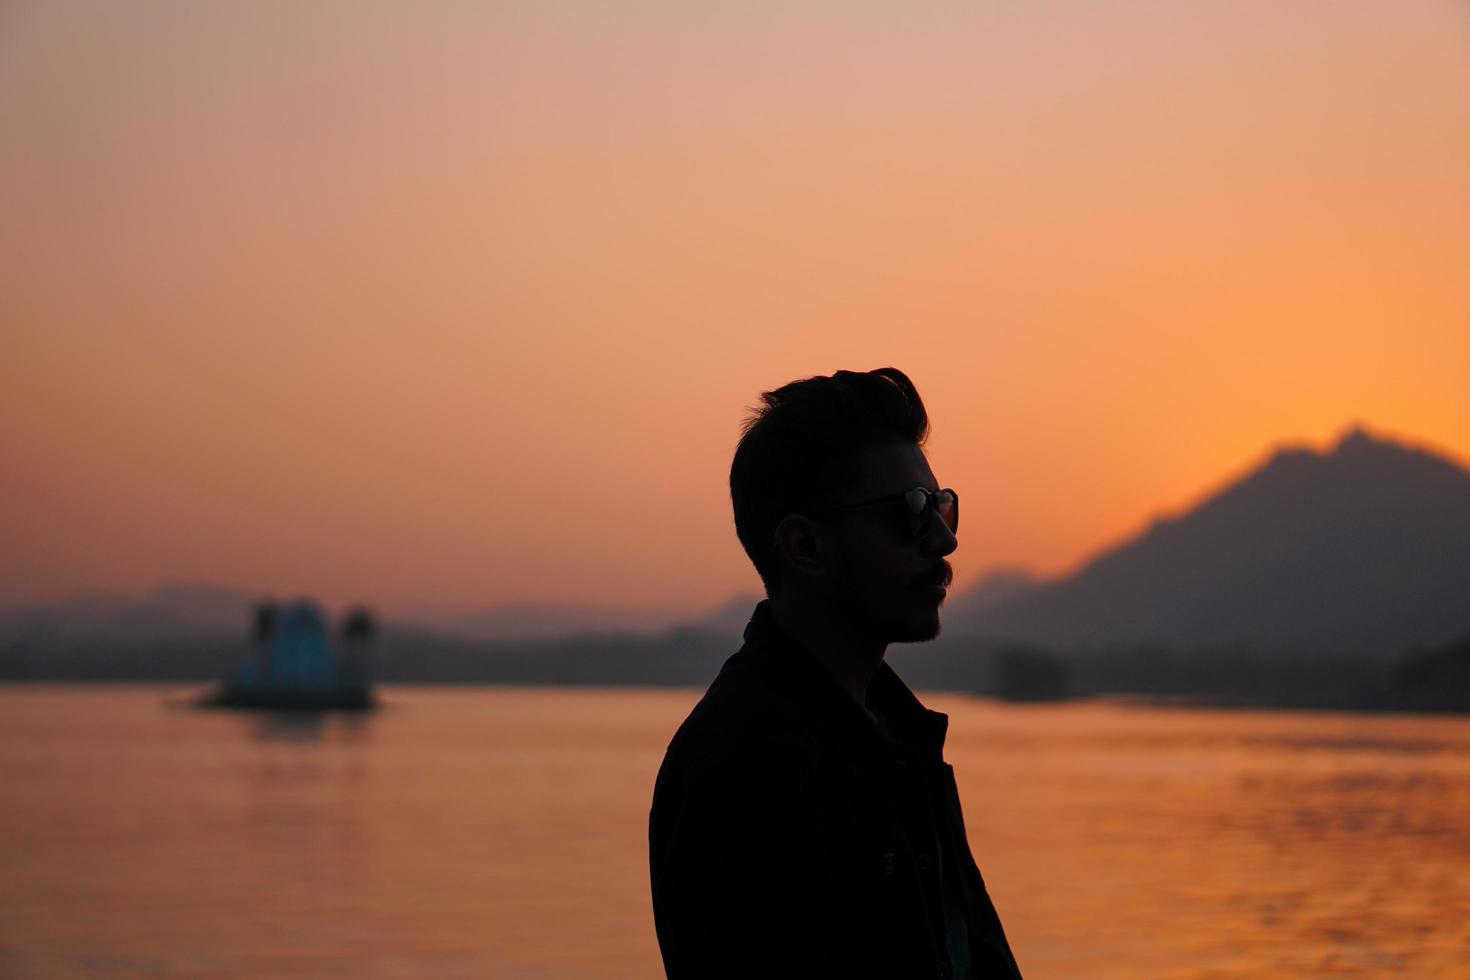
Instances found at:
x=1130 y=842
x=502 y=833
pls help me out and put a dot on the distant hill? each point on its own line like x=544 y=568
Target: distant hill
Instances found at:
x=527 y=621
x=177 y=610
x=192 y=631
x=1363 y=550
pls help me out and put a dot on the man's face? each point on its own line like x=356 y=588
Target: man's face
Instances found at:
x=881 y=575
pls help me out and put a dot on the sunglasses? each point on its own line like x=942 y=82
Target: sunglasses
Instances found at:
x=921 y=504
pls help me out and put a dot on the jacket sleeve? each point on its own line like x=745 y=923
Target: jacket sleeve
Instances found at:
x=741 y=880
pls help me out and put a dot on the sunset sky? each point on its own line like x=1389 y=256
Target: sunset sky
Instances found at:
x=463 y=303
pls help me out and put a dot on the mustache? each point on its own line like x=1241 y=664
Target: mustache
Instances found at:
x=941 y=575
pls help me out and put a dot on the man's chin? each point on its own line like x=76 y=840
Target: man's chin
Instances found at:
x=920 y=635
x=907 y=621
x=915 y=628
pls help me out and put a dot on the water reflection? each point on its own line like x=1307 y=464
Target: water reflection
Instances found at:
x=289 y=726
x=459 y=834
x=310 y=726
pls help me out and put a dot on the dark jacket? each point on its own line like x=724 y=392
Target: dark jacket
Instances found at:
x=789 y=837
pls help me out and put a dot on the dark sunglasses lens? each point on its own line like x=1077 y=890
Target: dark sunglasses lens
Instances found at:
x=923 y=505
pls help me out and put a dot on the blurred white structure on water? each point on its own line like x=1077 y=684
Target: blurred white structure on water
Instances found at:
x=295 y=665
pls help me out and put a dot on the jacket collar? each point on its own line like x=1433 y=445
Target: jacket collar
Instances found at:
x=820 y=698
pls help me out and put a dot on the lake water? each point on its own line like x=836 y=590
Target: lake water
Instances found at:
x=499 y=832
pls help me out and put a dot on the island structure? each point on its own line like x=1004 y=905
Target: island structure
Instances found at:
x=293 y=664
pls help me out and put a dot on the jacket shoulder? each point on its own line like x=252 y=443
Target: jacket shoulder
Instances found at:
x=746 y=718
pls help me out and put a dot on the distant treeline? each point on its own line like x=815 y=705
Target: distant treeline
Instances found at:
x=674 y=658
x=1420 y=680
x=1424 y=679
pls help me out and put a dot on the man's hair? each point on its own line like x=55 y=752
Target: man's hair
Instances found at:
x=800 y=446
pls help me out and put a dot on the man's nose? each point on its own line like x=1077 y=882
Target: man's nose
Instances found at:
x=939 y=539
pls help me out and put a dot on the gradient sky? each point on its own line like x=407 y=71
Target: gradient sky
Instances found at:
x=463 y=303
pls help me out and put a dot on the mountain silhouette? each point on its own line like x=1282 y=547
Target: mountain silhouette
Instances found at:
x=172 y=611
x=1364 y=549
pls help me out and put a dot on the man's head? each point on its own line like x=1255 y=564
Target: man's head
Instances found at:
x=818 y=484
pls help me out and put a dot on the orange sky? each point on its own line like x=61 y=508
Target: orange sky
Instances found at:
x=465 y=305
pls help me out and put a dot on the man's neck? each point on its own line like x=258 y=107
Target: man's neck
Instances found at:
x=833 y=641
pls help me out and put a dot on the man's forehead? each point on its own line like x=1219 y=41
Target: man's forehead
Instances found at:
x=890 y=468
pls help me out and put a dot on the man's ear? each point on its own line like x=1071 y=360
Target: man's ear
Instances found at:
x=800 y=544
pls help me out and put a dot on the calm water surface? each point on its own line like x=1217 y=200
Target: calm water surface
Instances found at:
x=494 y=832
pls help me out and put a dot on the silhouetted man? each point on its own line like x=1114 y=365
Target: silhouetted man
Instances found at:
x=804 y=821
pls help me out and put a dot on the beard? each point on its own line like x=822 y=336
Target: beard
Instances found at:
x=899 y=612
x=913 y=629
